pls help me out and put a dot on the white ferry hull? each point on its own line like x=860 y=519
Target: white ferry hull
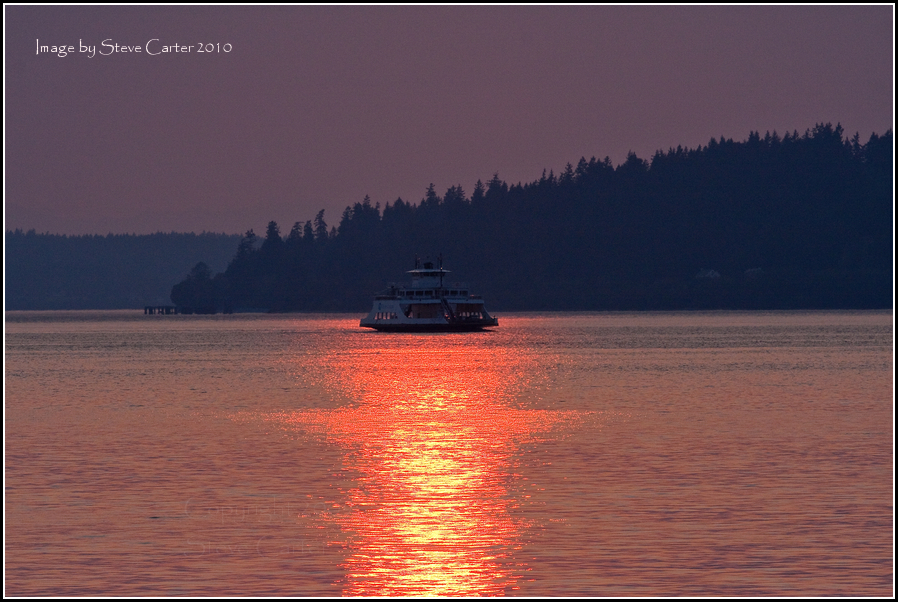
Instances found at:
x=394 y=316
x=431 y=327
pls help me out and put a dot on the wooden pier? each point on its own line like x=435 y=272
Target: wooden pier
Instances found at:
x=162 y=310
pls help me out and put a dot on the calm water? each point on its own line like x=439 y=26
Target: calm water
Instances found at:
x=560 y=454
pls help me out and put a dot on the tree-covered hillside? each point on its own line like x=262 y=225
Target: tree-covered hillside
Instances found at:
x=799 y=221
x=117 y=271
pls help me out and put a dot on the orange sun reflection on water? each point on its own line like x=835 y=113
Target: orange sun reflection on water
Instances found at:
x=432 y=437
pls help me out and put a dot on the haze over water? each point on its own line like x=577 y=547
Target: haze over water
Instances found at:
x=596 y=454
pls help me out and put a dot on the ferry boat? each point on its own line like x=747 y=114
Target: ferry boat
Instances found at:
x=429 y=304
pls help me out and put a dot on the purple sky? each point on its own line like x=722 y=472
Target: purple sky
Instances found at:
x=315 y=107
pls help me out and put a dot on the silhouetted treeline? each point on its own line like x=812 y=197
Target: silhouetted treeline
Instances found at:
x=799 y=221
x=117 y=271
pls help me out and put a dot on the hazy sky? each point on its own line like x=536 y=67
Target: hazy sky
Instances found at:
x=315 y=107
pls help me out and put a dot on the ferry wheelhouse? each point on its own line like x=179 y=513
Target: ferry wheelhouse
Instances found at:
x=431 y=303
